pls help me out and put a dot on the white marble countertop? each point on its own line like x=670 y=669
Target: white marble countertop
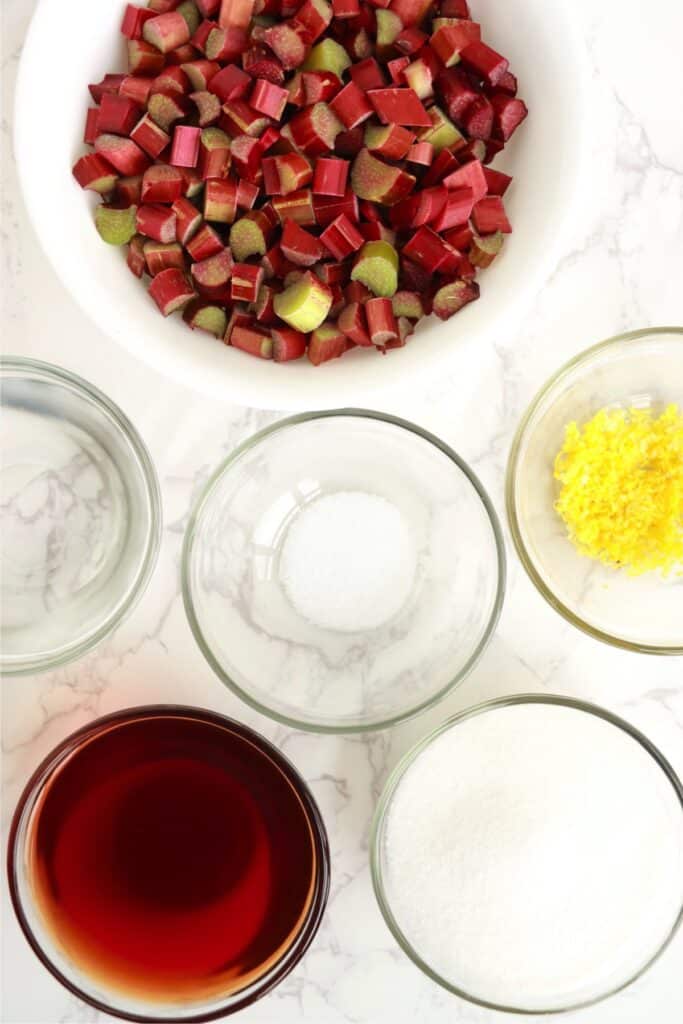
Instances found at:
x=622 y=270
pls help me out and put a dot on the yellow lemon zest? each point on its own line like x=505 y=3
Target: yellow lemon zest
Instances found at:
x=621 y=494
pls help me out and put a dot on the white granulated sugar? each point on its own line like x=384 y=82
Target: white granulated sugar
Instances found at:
x=534 y=856
x=348 y=561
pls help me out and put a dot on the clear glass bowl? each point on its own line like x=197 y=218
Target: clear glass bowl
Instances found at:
x=55 y=957
x=611 y=969
x=645 y=613
x=80 y=516
x=442 y=591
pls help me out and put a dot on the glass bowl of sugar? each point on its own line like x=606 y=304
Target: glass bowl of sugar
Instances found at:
x=343 y=571
x=527 y=855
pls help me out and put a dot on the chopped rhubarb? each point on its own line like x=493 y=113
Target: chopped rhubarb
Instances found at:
x=315 y=128
x=341 y=237
x=352 y=322
x=118 y=114
x=299 y=246
x=326 y=342
x=508 y=114
x=382 y=326
x=167 y=31
x=305 y=304
x=456 y=211
x=450 y=39
x=426 y=248
x=407 y=304
x=200 y=73
x=94 y=173
x=249 y=235
x=230 y=83
x=203 y=315
x=330 y=176
x=497 y=182
x=150 y=137
x=451 y=298
x=91 y=130
x=205 y=243
x=390 y=141
x=399 y=106
x=123 y=154
x=137 y=88
x=162 y=184
x=214 y=153
x=188 y=219
x=288 y=344
x=134 y=19
x=143 y=58
x=157 y=222
x=136 y=256
x=245 y=282
x=225 y=44
x=327 y=56
x=115 y=226
x=483 y=251
x=470 y=175
x=287 y=40
x=420 y=208
x=208 y=108
x=376 y=266
x=319 y=86
x=489 y=216
x=268 y=99
x=285 y=174
x=421 y=154
x=128 y=191
x=212 y=275
x=185 y=148
x=373 y=179
x=367 y=74
x=165 y=108
x=351 y=106
x=171 y=290
x=109 y=84
x=162 y=255
x=220 y=200
x=236 y=13
x=255 y=342
x=442 y=134
x=484 y=62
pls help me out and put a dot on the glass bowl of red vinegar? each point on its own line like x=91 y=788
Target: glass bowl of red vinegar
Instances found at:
x=168 y=864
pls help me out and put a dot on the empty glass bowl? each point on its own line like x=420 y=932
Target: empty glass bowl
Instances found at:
x=80 y=516
x=343 y=571
x=641 y=369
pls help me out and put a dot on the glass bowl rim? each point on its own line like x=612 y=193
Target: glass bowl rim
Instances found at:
x=309 y=927
x=397 y=774
x=205 y=496
x=583 y=357
x=26 y=368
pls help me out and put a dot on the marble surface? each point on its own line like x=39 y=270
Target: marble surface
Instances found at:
x=622 y=270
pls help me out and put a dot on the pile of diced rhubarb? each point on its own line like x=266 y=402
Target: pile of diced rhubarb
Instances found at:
x=304 y=178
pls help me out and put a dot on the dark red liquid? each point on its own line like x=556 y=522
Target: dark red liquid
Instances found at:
x=172 y=857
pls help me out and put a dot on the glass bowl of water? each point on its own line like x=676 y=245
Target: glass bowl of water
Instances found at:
x=343 y=571
x=80 y=516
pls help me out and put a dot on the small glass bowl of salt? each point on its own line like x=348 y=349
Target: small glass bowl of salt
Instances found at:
x=343 y=571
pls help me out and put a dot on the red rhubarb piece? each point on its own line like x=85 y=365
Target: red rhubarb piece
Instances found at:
x=245 y=282
x=225 y=44
x=351 y=105
x=94 y=173
x=220 y=200
x=470 y=175
x=327 y=208
x=330 y=176
x=352 y=322
x=247 y=194
x=230 y=83
x=396 y=68
x=326 y=342
x=426 y=248
x=484 y=62
x=319 y=86
x=91 y=130
x=212 y=275
x=157 y=222
x=488 y=216
x=315 y=128
x=123 y=154
x=299 y=246
x=449 y=41
x=497 y=182
x=171 y=291
x=160 y=256
x=367 y=74
x=382 y=326
x=288 y=42
x=137 y=88
x=454 y=9
x=285 y=174
x=118 y=114
x=188 y=219
x=288 y=344
x=214 y=153
x=399 y=106
x=508 y=114
x=166 y=32
x=128 y=191
x=143 y=58
x=150 y=137
x=200 y=73
x=443 y=165
x=260 y=62
x=478 y=119
x=134 y=19
x=268 y=99
x=206 y=243
x=109 y=84
x=136 y=256
x=457 y=92
x=421 y=154
x=185 y=148
x=296 y=206
x=411 y=12
x=162 y=184
x=172 y=79
x=207 y=8
x=314 y=16
x=420 y=208
x=236 y=13
x=457 y=210
x=379 y=182
x=255 y=342
x=350 y=143
x=410 y=40
x=390 y=141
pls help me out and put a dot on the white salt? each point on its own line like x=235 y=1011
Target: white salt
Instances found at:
x=348 y=561
x=534 y=856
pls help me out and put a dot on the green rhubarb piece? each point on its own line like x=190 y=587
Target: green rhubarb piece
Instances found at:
x=483 y=250
x=305 y=304
x=247 y=239
x=407 y=304
x=116 y=227
x=376 y=267
x=190 y=13
x=452 y=297
x=212 y=319
x=327 y=56
x=389 y=26
x=443 y=134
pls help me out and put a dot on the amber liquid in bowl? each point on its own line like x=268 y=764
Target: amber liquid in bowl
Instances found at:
x=171 y=858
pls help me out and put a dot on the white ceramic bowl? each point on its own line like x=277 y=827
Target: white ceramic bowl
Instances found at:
x=545 y=51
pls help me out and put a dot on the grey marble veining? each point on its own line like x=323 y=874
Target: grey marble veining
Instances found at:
x=622 y=270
